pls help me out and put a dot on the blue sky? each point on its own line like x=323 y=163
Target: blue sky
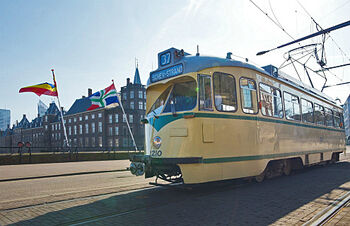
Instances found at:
x=88 y=43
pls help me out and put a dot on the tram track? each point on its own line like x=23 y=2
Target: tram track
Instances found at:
x=124 y=189
x=326 y=215
x=200 y=192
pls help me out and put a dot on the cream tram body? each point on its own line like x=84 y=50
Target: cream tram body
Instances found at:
x=234 y=123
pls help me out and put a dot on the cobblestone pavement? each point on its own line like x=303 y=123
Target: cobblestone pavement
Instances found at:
x=280 y=201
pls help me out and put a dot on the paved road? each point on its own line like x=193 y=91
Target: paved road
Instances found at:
x=284 y=200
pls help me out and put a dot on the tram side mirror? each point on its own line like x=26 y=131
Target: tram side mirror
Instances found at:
x=144 y=121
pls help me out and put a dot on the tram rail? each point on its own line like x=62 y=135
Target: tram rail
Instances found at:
x=331 y=211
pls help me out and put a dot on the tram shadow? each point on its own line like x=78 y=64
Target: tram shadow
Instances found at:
x=230 y=203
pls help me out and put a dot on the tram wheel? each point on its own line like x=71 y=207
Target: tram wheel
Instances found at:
x=260 y=177
x=287 y=167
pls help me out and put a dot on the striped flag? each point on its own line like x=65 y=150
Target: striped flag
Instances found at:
x=41 y=89
x=103 y=98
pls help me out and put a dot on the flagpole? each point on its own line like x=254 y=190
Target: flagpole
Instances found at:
x=59 y=106
x=127 y=122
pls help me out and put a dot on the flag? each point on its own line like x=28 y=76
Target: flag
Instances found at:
x=41 y=89
x=103 y=98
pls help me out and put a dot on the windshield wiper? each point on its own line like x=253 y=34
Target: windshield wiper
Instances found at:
x=155 y=115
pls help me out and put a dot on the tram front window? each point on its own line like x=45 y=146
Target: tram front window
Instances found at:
x=182 y=98
x=157 y=107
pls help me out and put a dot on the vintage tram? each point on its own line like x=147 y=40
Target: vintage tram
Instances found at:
x=211 y=119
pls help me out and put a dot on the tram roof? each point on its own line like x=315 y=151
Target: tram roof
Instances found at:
x=188 y=63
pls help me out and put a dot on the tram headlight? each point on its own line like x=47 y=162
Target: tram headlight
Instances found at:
x=157 y=141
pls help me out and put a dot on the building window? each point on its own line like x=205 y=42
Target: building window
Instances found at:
x=69 y=120
x=110 y=142
x=69 y=130
x=86 y=117
x=110 y=119
x=125 y=131
x=125 y=142
x=93 y=116
x=80 y=118
x=52 y=127
x=100 y=141
x=131 y=118
x=292 y=107
x=116 y=130
x=140 y=94
x=124 y=118
x=80 y=129
x=307 y=111
x=100 y=115
x=100 y=127
x=140 y=105
x=116 y=142
x=75 y=119
x=131 y=94
x=116 y=117
x=124 y=96
x=86 y=142
x=144 y=94
x=86 y=128
x=248 y=96
x=75 y=130
x=93 y=127
x=144 y=106
x=224 y=92
x=93 y=144
x=110 y=131
x=271 y=101
x=132 y=105
x=81 y=142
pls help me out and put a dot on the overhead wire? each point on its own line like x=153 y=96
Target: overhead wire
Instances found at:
x=317 y=24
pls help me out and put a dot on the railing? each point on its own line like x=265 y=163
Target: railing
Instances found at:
x=25 y=153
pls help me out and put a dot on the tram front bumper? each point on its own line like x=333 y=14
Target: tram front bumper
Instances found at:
x=141 y=164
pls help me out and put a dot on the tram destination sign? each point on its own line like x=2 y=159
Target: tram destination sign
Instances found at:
x=166 y=73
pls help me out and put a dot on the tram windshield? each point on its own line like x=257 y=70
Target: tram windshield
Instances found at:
x=182 y=98
x=157 y=107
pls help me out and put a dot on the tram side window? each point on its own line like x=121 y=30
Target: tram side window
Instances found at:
x=329 y=117
x=271 y=101
x=205 y=103
x=341 y=120
x=319 y=115
x=292 y=107
x=248 y=96
x=307 y=111
x=337 y=119
x=224 y=92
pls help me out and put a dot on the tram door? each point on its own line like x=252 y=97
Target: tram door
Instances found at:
x=206 y=104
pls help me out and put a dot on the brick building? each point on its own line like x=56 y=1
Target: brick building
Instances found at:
x=101 y=128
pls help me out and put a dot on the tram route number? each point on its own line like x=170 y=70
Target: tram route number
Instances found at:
x=156 y=153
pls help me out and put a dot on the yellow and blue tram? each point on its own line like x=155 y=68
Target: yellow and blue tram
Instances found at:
x=211 y=119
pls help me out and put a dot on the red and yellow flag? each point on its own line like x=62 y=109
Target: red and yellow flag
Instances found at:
x=41 y=89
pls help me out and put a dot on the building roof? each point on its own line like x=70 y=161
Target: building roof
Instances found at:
x=24 y=123
x=52 y=110
x=79 y=105
x=137 y=79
